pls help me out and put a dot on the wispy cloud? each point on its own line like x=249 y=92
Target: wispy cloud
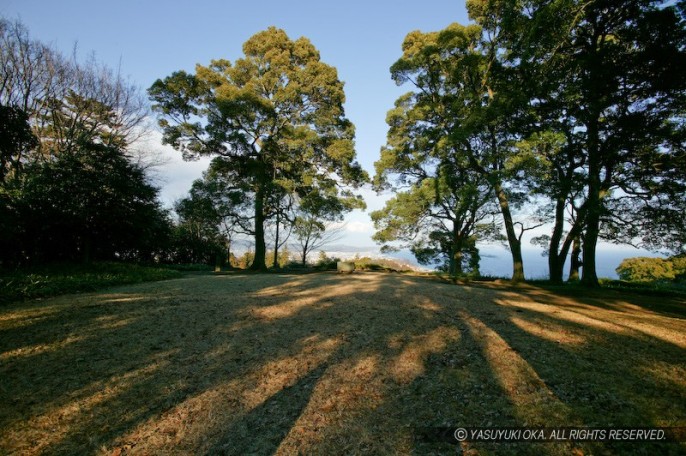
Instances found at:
x=359 y=227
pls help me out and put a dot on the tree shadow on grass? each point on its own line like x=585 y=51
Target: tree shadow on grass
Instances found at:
x=278 y=414
x=322 y=363
x=560 y=367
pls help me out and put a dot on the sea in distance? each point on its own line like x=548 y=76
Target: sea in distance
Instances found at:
x=496 y=261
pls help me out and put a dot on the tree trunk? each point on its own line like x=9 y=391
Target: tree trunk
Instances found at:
x=259 y=263
x=303 y=255
x=305 y=246
x=228 y=255
x=555 y=267
x=455 y=264
x=275 y=265
x=458 y=262
x=218 y=261
x=575 y=262
x=572 y=240
x=589 y=275
x=555 y=259
x=512 y=239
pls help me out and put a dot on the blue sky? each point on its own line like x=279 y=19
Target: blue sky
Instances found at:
x=152 y=39
x=149 y=40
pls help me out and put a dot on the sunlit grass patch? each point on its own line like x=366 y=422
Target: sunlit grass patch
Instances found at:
x=329 y=364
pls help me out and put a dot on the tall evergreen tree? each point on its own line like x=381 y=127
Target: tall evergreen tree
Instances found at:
x=275 y=116
x=457 y=127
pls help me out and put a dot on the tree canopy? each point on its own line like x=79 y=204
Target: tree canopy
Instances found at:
x=574 y=107
x=275 y=117
x=560 y=115
x=456 y=129
x=609 y=79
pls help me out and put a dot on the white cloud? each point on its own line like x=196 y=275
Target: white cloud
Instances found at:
x=170 y=173
x=179 y=175
x=359 y=227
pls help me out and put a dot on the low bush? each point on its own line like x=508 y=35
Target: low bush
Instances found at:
x=297 y=266
x=326 y=263
x=660 y=288
x=59 y=279
x=644 y=269
x=679 y=265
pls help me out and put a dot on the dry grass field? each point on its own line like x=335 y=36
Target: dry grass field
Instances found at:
x=329 y=364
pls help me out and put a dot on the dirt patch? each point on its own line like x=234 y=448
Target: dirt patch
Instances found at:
x=329 y=364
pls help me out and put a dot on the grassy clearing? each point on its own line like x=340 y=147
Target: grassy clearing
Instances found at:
x=55 y=280
x=331 y=364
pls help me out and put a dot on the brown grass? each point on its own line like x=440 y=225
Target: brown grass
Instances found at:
x=329 y=364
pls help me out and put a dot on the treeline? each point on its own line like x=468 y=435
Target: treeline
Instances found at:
x=73 y=185
x=539 y=114
x=561 y=114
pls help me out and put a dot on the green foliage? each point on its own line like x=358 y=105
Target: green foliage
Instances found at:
x=326 y=263
x=284 y=257
x=645 y=269
x=446 y=154
x=648 y=270
x=652 y=289
x=16 y=140
x=196 y=238
x=679 y=266
x=68 y=102
x=71 y=278
x=604 y=84
x=245 y=261
x=91 y=203
x=313 y=230
x=69 y=189
x=186 y=246
x=297 y=266
x=276 y=119
x=188 y=267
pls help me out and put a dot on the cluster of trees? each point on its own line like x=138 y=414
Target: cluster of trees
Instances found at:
x=543 y=113
x=284 y=158
x=564 y=113
x=71 y=187
x=214 y=217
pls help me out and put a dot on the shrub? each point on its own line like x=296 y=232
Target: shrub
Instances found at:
x=679 y=266
x=645 y=269
x=297 y=266
x=325 y=263
x=56 y=279
x=187 y=267
x=380 y=264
